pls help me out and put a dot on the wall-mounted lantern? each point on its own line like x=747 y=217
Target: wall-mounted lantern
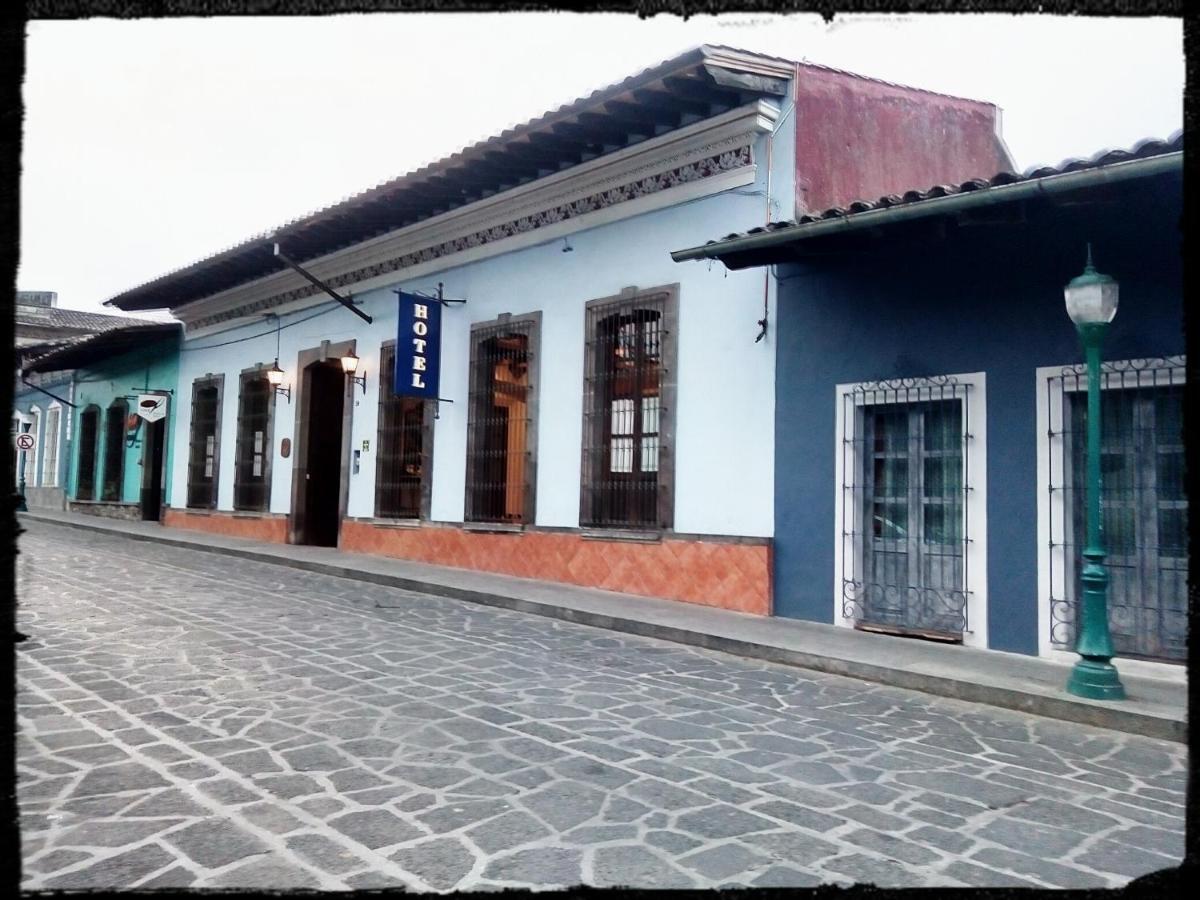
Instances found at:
x=275 y=379
x=350 y=367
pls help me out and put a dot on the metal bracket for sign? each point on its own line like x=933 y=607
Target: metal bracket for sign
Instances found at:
x=313 y=279
x=444 y=301
x=150 y=390
x=440 y=298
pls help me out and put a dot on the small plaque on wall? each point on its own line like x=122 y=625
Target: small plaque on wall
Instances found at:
x=285 y=448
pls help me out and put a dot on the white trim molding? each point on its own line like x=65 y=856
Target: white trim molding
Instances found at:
x=51 y=479
x=971 y=389
x=707 y=157
x=1051 y=506
x=34 y=466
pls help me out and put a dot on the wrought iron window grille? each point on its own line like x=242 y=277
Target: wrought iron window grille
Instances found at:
x=204 y=443
x=628 y=411
x=50 y=459
x=906 y=488
x=404 y=447
x=501 y=421
x=89 y=439
x=253 y=450
x=1143 y=503
x=115 y=418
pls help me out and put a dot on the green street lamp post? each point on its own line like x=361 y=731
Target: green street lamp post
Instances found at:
x=1092 y=304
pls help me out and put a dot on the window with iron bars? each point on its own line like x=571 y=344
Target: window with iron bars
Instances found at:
x=89 y=438
x=252 y=454
x=501 y=421
x=405 y=447
x=204 y=452
x=905 y=489
x=628 y=411
x=50 y=461
x=1143 y=504
x=114 y=450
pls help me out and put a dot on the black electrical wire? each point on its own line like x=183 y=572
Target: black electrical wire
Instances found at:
x=330 y=308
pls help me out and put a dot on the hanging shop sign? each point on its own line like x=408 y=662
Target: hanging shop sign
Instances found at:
x=418 y=347
x=151 y=407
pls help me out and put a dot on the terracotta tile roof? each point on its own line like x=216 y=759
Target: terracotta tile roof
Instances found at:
x=55 y=317
x=399 y=202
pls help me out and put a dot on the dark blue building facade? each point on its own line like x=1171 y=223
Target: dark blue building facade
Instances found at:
x=928 y=418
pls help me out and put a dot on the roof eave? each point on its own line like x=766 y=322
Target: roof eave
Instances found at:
x=80 y=353
x=147 y=296
x=1066 y=181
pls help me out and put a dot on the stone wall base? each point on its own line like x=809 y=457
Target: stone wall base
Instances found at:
x=46 y=498
x=729 y=574
x=265 y=527
x=108 y=509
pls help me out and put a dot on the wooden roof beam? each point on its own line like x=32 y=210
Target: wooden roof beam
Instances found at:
x=658 y=120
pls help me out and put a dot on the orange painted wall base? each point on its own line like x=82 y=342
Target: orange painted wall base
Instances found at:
x=724 y=574
x=258 y=528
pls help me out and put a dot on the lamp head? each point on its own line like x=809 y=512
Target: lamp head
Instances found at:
x=350 y=363
x=275 y=375
x=1091 y=297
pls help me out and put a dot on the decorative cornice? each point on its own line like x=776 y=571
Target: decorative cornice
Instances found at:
x=692 y=155
x=651 y=184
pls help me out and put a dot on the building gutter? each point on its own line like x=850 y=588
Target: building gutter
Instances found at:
x=1051 y=184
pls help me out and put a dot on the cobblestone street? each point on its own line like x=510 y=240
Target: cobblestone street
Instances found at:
x=189 y=719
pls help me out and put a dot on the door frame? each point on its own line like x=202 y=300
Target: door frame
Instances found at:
x=846 y=486
x=160 y=449
x=305 y=359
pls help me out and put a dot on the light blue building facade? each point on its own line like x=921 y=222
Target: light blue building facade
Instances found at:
x=606 y=417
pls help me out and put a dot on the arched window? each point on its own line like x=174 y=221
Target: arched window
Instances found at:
x=404 y=448
x=629 y=385
x=205 y=452
x=51 y=438
x=501 y=420
x=89 y=439
x=34 y=457
x=21 y=423
x=252 y=453
x=114 y=450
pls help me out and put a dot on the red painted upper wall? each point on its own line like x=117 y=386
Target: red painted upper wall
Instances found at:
x=858 y=139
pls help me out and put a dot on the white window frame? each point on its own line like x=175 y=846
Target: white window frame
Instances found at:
x=19 y=418
x=52 y=480
x=1050 y=466
x=33 y=466
x=975 y=459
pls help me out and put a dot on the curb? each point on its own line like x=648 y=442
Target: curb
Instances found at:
x=1030 y=702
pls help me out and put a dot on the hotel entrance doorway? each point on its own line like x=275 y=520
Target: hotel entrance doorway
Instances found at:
x=322 y=446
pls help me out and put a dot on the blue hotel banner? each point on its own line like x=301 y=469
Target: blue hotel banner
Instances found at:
x=418 y=347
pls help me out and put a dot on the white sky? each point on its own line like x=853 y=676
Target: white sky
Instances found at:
x=150 y=144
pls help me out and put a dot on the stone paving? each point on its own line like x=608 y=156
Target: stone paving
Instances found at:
x=187 y=719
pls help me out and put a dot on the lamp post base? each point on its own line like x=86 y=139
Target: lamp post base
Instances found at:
x=1095 y=680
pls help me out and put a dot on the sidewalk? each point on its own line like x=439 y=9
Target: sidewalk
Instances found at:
x=1156 y=707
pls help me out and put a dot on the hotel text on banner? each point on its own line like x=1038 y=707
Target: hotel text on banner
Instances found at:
x=418 y=346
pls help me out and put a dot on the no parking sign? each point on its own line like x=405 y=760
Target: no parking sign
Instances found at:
x=26 y=441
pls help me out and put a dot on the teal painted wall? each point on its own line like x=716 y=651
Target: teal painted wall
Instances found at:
x=155 y=366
